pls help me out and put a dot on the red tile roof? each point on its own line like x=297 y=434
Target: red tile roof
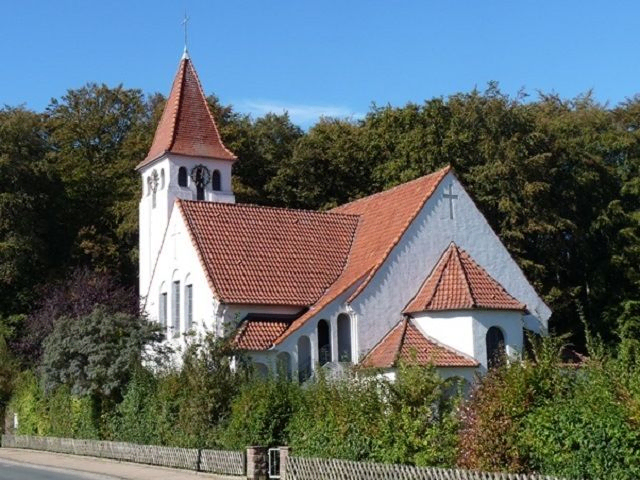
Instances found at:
x=406 y=343
x=266 y=255
x=458 y=283
x=187 y=126
x=384 y=217
x=259 y=334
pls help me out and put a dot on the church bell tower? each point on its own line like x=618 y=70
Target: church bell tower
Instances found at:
x=187 y=160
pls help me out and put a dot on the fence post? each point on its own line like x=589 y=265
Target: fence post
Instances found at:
x=284 y=458
x=198 y=460
x=257 y=463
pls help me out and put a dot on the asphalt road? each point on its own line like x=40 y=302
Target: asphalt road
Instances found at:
x=19 y=471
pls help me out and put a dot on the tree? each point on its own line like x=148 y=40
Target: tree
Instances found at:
x=30 y=237
x=74 y=297
x=97 y=136
x=95 y=354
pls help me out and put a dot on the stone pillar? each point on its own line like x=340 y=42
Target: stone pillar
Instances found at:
x=284 y=458
x=257 y=463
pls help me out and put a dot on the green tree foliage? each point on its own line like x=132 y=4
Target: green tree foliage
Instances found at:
x=261 y=412
x=97 y=136
x=29 y=209
x=8 y=373
x=95 y=354
x=186 y=406
x=75 y=296
x=500 y=402
x=420 y=424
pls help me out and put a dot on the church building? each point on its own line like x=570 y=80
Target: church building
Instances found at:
x=414 y=273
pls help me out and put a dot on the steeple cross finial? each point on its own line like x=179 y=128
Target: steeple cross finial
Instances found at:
x=185 y=21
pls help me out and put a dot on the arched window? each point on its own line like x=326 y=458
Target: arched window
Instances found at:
x=304 y=358
x=161 y=179
x=324 y=342
x=261 y=370
x=182 y=176
x=163 y=307
x=215 y=181
x=496 y=349
x=149 y=185
x=344 y=338
x=283 y=363
x=188 y=303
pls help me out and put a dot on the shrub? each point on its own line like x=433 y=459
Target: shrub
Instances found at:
x=261 y=413
x=587 y=433
x=28 y=401
x=339 y=418
x=493 y=416
x=420 y=425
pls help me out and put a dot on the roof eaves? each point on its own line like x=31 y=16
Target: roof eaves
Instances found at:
x=315 y=310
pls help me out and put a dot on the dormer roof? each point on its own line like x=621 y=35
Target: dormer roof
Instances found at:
x=187 y=126
x=458 y=283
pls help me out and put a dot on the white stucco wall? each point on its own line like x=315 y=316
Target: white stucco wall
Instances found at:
x=309 y=329
x=454 y=329
x=379 y=306
x=511 y=324
x=466 y=331
x=178 y=261
x=153 y=221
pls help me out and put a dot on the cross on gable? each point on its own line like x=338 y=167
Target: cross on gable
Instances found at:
x=451 y=198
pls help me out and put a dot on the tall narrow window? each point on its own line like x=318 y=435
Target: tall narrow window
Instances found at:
x=163 y=309
x=215 y=181
x=182 y=176
x=344 y=338
x=324 y=342
x=176 y=308
x=496 y=350
x=188 y=307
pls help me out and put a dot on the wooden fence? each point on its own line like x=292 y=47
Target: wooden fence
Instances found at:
x=212 y=461
x=298 y=468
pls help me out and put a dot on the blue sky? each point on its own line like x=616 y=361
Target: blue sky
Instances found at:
x=321 y=57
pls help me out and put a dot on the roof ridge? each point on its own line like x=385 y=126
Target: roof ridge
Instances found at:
x=204 y=98
x=271 y=207
x=396 y=355
x=504 y=290
x=467 y=282
x=444 y=260
x=181 y=69
x=448 y=168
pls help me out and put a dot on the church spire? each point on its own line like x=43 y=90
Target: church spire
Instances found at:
x=187 y=126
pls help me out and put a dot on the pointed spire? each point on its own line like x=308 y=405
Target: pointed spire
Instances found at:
x=187 y=126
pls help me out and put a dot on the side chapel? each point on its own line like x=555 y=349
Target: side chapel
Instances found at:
x=414 y=273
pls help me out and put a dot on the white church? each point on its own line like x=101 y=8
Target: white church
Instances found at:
x=412 y=274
